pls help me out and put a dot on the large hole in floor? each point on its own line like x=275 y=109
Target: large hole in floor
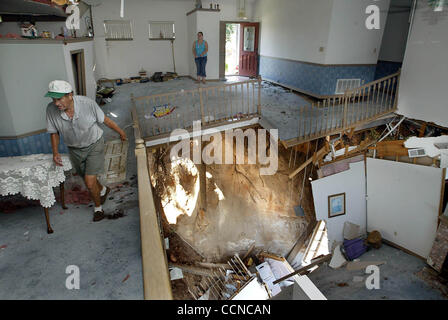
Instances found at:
x=242 y=207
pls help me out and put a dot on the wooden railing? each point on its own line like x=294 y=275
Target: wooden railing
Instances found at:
x=156 y=278
x=355 y=107
x=211 y=105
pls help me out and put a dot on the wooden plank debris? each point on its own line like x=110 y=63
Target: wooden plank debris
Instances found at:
x=315 y=158
x=304 y=269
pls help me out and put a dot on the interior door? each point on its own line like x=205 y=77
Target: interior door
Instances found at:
x=249 y=49
x=79 y=74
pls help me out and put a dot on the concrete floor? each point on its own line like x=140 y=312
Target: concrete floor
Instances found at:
x=398 y=279
x=33 y=263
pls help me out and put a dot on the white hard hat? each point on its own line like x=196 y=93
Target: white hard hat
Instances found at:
x=58 y=88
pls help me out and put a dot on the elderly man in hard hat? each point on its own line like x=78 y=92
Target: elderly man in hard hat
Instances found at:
x=77 y=119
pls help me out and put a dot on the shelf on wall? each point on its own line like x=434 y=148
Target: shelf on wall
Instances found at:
x=170 y=39
x=202 y=9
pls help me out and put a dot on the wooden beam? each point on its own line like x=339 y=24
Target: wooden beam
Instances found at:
x=156 y=278
x=315 y=158
x=304 y=269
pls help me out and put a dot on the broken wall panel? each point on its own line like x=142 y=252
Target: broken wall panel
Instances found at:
x=403 y=203
x=350 y=182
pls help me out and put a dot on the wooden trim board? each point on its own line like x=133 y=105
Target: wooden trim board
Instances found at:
x=156 y=277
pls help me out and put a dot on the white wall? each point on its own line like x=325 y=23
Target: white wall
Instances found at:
x=208 y=23
x=349 y=41
x=25 y=71
x=118 y=59
x=294 y=29
x=352 y=182
x=89 y=61
x=192 y=36
x=403 y=203
x=229 y=9
x=424 y=77
x=395 y=35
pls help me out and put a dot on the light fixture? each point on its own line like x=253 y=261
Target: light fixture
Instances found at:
x=113 y=115
x=242 y=9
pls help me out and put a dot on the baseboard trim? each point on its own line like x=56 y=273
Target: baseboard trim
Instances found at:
x=24 y=135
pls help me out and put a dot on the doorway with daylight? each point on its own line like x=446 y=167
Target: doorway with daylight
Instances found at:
x=239 y=49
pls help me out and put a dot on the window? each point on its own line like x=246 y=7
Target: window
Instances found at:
x=161 y=30
x=249 y=39
x=118 y=29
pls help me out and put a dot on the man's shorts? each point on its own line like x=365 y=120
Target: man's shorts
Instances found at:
x=88 y=160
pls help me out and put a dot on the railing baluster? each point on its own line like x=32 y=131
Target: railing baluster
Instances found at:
x=231 y=102
x=325 y=123
x=382 y=97
x=378 y=89
x=393 y=92
x=216 y=104
x=308 y=125
x=201 y=102
x=332 y=115
x=387 y=95
x=343 y=112
x=345 y=99
x=248 y=99
x=253 y=98
x=242 y=99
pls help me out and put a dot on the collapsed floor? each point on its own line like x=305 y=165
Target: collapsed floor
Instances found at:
x=255 y=206
x=111 y=270
x=242 y=207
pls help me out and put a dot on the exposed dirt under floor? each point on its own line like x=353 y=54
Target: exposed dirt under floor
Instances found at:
x=242 y=207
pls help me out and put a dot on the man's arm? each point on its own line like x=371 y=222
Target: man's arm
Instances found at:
x=111 y=124
x=54 y=145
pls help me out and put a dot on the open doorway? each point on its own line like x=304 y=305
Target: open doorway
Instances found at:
x=238 y=49
x=79 y=74
x=232 y=49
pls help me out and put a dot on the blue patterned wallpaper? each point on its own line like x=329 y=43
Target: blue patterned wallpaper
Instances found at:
x=386 y=68
x=38 y=143
x=316 y=79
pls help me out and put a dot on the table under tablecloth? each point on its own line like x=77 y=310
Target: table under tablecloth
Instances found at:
x=34 y=176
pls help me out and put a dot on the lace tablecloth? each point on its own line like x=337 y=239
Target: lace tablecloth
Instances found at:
x=33 y=176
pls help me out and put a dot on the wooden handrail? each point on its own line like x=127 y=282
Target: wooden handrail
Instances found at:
x=194 y=90
x=156 y=277
x=135 y=122
x=211 y=105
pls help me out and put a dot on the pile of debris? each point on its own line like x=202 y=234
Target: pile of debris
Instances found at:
x=255 y=276
x=143 y=78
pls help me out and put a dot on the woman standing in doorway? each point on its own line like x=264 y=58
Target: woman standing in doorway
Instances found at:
x=200 y=49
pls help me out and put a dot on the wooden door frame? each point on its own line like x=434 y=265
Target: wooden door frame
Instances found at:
x=222 y=43
x=83 y=88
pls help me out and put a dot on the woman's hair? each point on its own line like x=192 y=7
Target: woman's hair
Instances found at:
x=200 y=32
